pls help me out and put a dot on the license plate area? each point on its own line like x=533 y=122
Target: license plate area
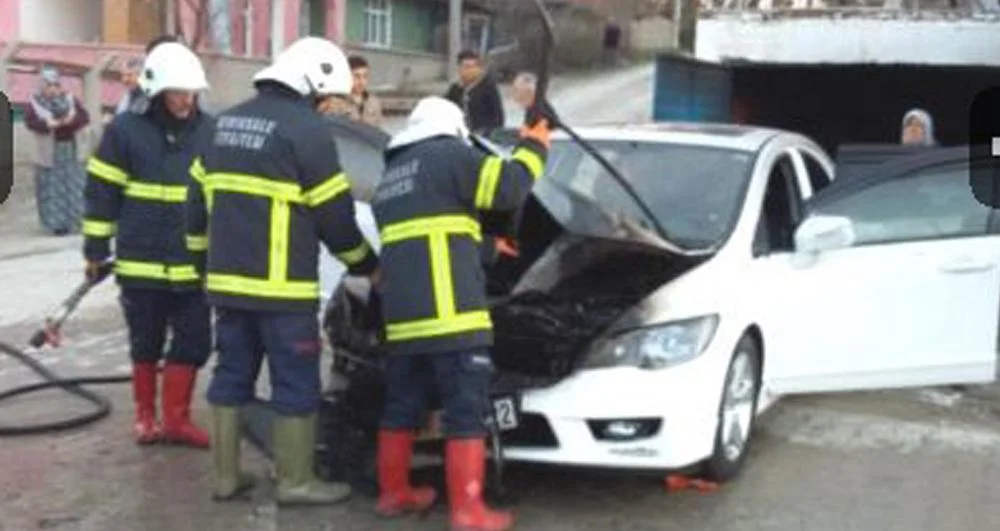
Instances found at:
x=506 y=410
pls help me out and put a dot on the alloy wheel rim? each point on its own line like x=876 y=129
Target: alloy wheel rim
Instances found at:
x=738 y=406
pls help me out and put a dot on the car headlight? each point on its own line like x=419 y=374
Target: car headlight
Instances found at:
x=655 y=347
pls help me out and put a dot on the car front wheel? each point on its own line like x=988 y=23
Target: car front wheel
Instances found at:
x=736 y=413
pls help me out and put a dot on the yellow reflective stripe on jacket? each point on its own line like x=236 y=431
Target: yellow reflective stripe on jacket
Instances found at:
x=281 y=217
x=444 y=287
x=155 y=271
x=426 y=328
x=168 y=193
x=103 y=170
x=447 y=319
x=196 y=242
x=282 y=196
x=422 y=227
x=252 y=185
x=489 y=179
x=254 y=287
x=98 y=229
x=197 y=171
x=354 y=255
x=530 y=159
x=329 y=189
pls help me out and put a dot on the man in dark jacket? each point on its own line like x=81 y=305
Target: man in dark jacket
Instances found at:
x=433 y=298
x=135 y=194
x=270 y=188
x=476 y=93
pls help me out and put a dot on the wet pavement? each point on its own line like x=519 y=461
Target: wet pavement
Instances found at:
x=923 y=459
x=908 y=460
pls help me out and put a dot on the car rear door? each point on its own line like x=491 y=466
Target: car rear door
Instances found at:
x=915 y=300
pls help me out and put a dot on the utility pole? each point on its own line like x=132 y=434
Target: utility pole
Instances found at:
x=685 y=24
x=277 y=27
x=454 y=36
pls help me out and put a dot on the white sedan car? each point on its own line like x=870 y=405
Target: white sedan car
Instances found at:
x=662 y=329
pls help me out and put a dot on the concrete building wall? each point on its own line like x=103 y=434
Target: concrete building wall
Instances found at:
x=871 y=38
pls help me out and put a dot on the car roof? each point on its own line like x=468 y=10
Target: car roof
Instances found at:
x=721 y=135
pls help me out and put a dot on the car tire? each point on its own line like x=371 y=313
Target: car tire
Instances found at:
x=737 y=411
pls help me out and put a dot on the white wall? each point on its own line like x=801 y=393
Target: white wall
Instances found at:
x=851 y=40
x=61 y=20
x=652 y=34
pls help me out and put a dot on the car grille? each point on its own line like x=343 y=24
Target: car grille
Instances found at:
x=533 y=432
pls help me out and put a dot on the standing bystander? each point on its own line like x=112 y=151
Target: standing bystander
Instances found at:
x=59 y=123
x=360 y=104
x=476 y=93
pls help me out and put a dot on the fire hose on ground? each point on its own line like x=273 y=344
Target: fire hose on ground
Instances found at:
x=50 y=334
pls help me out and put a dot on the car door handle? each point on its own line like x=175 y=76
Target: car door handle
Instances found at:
x=967 y=265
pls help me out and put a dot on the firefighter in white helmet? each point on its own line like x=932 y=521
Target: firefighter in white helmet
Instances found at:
x=271 y=189
x=136 y=187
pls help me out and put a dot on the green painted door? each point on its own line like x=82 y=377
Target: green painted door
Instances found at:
x=312 y=18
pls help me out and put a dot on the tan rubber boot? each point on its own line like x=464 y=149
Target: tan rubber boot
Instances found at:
x=294 y=452
x=230 y=481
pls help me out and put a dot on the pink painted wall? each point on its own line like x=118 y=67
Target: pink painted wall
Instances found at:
x=260 y=47
x=335 y=16
x=10 y=19
x=22 y=84
x=291 y=21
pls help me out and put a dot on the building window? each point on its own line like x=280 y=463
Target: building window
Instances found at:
x=378 y=23
x=476 y=33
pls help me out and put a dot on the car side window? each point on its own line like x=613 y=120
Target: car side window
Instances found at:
x=818 y=177
x=781 y=210
x=933 y=203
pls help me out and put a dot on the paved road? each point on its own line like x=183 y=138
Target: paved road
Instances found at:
x=884 y=461
x=907 y=460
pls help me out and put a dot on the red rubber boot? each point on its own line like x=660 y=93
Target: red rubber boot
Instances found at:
x=397 y=497
x=145 y=428
x=465 y=464
x=178 y=386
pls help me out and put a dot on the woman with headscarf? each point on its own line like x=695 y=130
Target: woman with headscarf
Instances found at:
x=57 y=118
x=918 y=128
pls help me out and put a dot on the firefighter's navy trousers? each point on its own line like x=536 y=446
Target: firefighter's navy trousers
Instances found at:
x=150 y=313
x=461 y=380
x=291 y=342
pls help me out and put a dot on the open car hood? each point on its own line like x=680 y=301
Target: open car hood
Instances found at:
x=578 y=273
x=580 y=215
x=360 y=147
x=552 y=210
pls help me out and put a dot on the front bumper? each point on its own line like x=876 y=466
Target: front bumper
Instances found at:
x=557 y=424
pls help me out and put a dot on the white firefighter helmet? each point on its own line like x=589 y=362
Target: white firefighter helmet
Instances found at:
x=432 y=116
x=311 y=66
x=172 y=66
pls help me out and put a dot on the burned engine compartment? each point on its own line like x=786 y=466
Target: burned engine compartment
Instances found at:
x=571 y=295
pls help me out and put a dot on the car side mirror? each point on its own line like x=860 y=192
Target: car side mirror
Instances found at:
x=824 y=233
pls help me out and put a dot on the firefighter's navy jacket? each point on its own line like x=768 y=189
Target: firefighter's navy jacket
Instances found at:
x=136 y=188
x=433 y=288
x=267 y=187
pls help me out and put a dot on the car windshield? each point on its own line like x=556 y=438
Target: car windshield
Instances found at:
x=695 y=192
